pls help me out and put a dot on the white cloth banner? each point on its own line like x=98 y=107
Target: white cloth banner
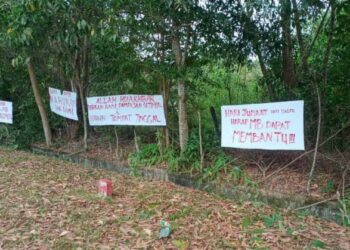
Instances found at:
x=139 y=110
x=274 y=126
x=64 y=104
x=6 y=112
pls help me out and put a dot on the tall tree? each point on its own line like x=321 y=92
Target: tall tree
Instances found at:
x=288 y=72
x=189 y=31
x=76 y=22
x=27 y=28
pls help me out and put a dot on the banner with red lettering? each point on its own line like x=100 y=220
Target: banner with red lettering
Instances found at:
x=64 y=104
x=138 y=110
x=273 y=126
x=6 y=112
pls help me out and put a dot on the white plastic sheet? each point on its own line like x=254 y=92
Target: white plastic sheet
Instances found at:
x=273 y=126
x=138 y=110
x=6 y=115
x=63 y=104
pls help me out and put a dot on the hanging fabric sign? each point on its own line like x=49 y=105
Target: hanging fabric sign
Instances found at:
x=6 y=112
x=63 y=104
x=274 y=126
x=138 y=110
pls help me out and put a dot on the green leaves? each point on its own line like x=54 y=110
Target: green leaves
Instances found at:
x=28 y=33
x=247 y=222
x=272 y=220
x=318 y=244
x=83 y=25
x=180 y=244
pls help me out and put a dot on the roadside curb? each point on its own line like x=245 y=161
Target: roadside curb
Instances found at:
x=328 y=210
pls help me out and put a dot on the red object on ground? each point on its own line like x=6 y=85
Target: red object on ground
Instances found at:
x=105 y=187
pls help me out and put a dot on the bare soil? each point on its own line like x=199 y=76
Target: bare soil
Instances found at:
x=52 y=204
x=257 y=164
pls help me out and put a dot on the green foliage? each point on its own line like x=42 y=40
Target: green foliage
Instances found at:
x=189 y=161
x=237 y=174
x=220 y=164
x=217 y=164
x=171 y=158
x=344 y=214
x=239 y=177
x=4 y=134
x=182 y=213
x=329 y=188
x=246 y=222
x=180 y=244
x=192 y=151
x=214 y=85
x=145 y=214
x=149 y=156
x=272 y=220
x=131 y=51
x=318 y=244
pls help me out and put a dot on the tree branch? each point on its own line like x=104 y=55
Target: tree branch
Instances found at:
x=308 y=52
x=305 y=153
x=317 y=137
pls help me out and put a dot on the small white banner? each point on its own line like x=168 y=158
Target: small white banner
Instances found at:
x=6 y=112
x=138 y=110
x=273 y=126
x=64 y=104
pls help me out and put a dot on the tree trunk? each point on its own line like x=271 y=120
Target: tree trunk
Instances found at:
x=256 y=42
x=72 y=127
x=300 y=37
x=39 y=103
x=287 y=50
x=183 y=123
x=81 y=79
x=82 y=98
x=265 y=75
x=318 y=31
x=319 y=124
x=329 y=46
x=166 y=90
x=180 y=58
x=201 y=152
x=326 y=62
x=83 y=85
x=215 y=122
x=228 y=88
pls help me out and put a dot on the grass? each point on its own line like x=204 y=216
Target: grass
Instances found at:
x=50 y=204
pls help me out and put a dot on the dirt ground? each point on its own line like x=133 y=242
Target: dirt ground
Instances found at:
x=51 y=204
x=257 y=164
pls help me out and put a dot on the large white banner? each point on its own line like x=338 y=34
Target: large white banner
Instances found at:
x=139 y=110
x=6 y=112
x=274 y=126
x=64 y=104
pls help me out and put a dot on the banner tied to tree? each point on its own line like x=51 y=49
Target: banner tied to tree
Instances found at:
x=273 y=126
x=64 y=104
x=138 y=110
x=6 y=112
